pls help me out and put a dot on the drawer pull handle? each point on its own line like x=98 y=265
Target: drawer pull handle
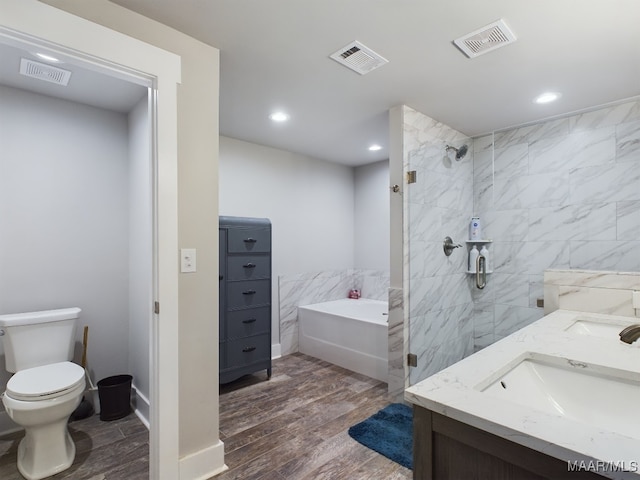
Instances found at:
x=249 y=320
x=248 y=349
x=249 y=265
x=250 y=240
x=249 y=292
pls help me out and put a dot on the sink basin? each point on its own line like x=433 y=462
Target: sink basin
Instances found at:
x=590 y=394
x=597 y=328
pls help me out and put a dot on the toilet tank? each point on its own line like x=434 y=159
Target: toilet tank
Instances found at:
x=34 y=339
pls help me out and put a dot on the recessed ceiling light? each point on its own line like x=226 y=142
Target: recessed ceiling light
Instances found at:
x=47 y=58
x=547 y=97
x=375 y=148
x=279 y=117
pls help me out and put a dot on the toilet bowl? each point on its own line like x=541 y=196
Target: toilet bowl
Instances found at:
x=45 y=388
x=41 y=399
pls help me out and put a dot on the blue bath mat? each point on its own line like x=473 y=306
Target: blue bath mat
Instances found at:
x=389 y=432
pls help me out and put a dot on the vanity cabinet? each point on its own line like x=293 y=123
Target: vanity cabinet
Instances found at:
x=245 y=296
x=446 y=449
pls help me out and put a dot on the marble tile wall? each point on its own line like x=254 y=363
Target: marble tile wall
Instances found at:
x=439 y=309
x=317 y=287
x=562 y=194
x=591 y=291
x=398 y=345
x=373 y=284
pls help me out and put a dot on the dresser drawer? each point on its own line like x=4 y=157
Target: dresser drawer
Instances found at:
x=244 y=351
x=245 y=323
x=248 y=240
x=251 y=293
x=248 y=267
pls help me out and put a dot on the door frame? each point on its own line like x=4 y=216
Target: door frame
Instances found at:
x=79 y=41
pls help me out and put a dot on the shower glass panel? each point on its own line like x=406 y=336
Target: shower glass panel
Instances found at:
x=439 y=305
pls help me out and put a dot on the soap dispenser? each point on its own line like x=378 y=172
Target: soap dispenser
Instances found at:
x=473 y=255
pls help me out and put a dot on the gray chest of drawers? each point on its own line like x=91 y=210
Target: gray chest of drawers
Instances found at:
x=245 y=296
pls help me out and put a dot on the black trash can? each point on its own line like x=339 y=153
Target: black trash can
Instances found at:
x=115 y=397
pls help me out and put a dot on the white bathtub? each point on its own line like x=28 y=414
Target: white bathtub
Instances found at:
x=350 y=333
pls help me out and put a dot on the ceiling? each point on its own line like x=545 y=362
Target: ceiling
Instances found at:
x=85 y=86
x=275 y=55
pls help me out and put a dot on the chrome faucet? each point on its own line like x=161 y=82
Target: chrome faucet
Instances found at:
x=630 y=334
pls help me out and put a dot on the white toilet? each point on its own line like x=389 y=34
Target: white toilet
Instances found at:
x=45 y=389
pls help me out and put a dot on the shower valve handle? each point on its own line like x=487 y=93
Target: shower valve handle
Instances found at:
x=448 y=246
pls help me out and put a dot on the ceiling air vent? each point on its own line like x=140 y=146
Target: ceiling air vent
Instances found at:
x=485 y=39
x=45 y=72
x=359 y=58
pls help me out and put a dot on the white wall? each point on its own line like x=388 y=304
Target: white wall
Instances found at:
x=310 y=204
x=372 y=220
x=64 y=218
x=140 y=250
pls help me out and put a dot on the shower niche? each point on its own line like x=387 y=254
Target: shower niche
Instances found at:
x=479 y=244
x=479 y=262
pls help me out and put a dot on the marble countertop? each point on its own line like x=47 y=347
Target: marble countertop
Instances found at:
x=455 y=393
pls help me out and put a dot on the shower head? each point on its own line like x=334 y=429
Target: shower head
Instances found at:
x=460 y=152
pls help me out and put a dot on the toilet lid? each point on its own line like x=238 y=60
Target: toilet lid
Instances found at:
x=40 y=383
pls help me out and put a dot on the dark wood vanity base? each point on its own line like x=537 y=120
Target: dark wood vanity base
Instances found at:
x=446 y=449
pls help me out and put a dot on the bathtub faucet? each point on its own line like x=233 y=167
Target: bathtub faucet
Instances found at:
x=630 y=334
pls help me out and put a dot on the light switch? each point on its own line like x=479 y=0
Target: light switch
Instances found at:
x=187 y=260
x=636 y=299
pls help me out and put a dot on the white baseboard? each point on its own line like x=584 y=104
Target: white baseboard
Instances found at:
x=203 y=464
x=141 y=406
x=276 y=351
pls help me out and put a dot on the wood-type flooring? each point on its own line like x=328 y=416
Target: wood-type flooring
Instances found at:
x=291 y=427
x=116 y=450
x=294 y=426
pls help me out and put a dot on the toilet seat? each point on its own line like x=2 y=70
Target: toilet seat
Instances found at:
x=45 y=382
